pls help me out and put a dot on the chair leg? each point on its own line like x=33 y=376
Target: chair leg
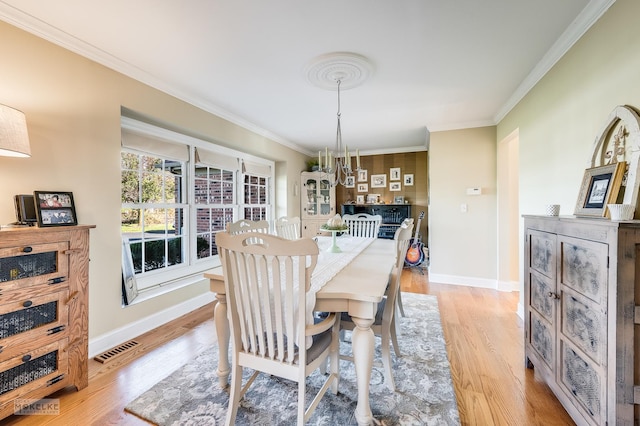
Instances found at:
x=394 y=336
x=386 y=360
x=235 y=394
x=302 y=386
x=399 y=303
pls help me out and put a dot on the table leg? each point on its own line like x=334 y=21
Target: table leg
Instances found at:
x=222 y=330
x=362 y=341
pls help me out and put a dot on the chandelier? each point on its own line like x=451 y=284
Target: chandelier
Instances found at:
x=346 y=70
x=337 y=164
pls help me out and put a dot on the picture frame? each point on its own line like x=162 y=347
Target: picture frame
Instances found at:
x=600 y=186
x=408 y=179
x=373 y=198
x=55 y=208
x=379 y=181
x=398 y=199
x=394 y=173
x=359 y=199
x=350 y=182
x=395 y=186
x=363 y=187
x=362 y=175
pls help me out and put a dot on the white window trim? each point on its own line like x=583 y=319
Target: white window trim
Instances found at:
x=178 y=276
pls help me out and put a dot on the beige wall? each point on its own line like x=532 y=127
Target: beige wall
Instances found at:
x=463 y=246
x=561 y=117
x=73 y=110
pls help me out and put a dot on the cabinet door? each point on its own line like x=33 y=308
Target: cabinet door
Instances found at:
x=582 y=339
x=541 y=296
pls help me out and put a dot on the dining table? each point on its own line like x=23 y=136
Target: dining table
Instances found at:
x=355 y=286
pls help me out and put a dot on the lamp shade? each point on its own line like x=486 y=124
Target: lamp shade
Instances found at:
x=14 y=139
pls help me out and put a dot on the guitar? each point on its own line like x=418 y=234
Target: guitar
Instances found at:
x=415 y=254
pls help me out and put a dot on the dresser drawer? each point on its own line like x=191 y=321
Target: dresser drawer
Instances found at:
x=45 y=367
x=29 y=265
x=32 y=322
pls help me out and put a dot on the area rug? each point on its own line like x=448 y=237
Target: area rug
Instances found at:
x=424 y=391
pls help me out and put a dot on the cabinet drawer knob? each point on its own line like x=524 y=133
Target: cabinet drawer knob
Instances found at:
x=27 y=303
x=26 y=358
x=553 y=295
x=27 y=249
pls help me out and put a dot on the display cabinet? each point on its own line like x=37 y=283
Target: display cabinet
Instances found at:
x=318 y=202
x=43 y=312
x=582 y=314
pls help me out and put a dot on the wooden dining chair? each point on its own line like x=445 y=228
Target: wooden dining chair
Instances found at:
x=408 y=221
x=288 y=227
x=384 y=324
x=363 y=224
x=267 y=279
x=241 y=226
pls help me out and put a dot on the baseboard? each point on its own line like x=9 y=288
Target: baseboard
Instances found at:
x=130 y=331
x=474 y=282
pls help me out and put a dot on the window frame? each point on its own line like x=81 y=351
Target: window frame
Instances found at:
x=190 y=270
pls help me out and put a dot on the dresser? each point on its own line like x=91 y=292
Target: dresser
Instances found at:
x=582 y=314
x=44 y=277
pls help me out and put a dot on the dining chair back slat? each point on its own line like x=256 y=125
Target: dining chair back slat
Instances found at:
x=363 y=224
x=267 y=279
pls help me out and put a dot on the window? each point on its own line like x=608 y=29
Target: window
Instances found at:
x=177 y=193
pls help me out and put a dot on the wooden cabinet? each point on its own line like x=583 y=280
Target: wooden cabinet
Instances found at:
x=582 y=316
x=318 y=202
x=43 y=312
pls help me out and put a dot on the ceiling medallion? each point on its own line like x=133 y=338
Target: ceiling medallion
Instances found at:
x=350 y=69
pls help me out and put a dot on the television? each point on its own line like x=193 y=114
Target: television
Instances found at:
x=25 y=209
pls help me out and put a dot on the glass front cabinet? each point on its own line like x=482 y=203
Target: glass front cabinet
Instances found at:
x=318 y=202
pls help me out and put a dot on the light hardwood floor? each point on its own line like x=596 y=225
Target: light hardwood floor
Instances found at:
x=484 y=343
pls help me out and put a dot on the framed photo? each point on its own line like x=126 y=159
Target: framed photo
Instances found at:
x=378 y=181
x=373 y=198
x=55 y=208
x=362 y=175
x=398 y=199
x=363 y=187
x=350 y=182
x=359 y=199
x=395 y=186
x=408 y=179
x=600 y=186
x=394 y=173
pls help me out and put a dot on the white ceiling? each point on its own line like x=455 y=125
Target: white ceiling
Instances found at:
x=438 y=64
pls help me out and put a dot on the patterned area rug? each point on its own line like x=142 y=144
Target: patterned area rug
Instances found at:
x=424 y=391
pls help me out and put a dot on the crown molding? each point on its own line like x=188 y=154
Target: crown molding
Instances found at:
x=589 y=16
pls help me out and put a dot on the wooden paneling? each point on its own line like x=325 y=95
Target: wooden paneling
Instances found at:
x=415 y=163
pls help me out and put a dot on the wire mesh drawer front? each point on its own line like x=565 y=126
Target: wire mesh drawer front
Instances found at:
x=27 y=319
x=27 y=266
x=33 y=265
x=28 y=372
x=45 y=367
x=583 y=381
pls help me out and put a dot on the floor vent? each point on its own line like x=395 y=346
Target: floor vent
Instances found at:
x=117 y=352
